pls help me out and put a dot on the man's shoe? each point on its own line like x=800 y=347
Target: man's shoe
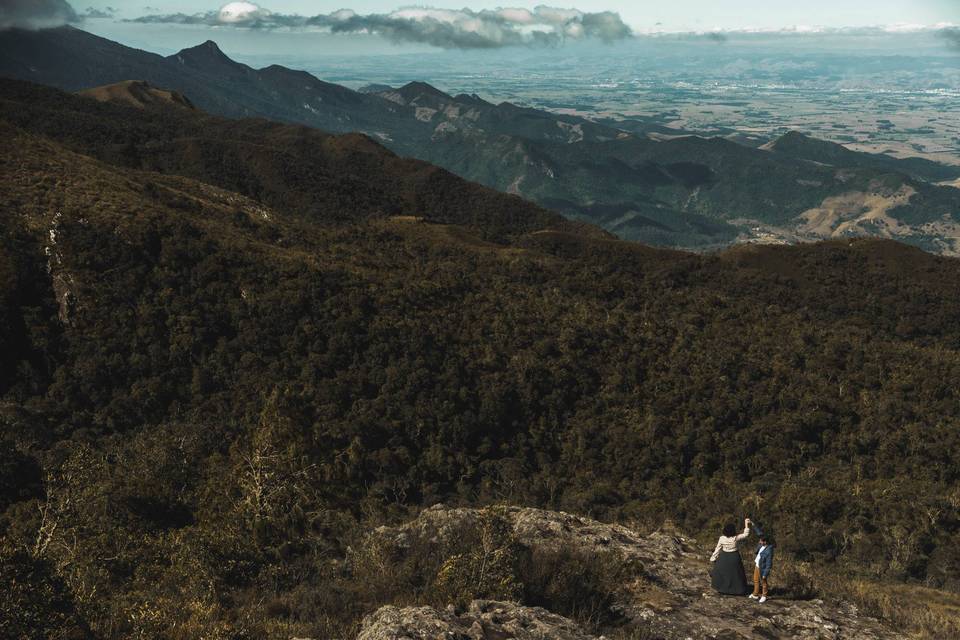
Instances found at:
x=763 y=599
x=753 y=596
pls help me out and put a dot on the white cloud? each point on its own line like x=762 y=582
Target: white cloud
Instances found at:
x=449 y=28
x=240 y=12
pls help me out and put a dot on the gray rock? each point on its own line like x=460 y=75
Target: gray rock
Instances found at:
x=483 y=620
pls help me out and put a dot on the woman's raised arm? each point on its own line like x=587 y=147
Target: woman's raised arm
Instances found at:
x=746 y=531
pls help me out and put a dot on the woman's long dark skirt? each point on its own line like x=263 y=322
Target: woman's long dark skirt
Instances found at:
x=728 y=576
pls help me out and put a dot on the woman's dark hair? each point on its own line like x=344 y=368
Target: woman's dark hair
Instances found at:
x=729 y=529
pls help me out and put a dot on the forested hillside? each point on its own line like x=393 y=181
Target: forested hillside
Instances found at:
x=207 y=389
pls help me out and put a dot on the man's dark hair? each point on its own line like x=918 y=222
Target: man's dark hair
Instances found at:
x=729 y=529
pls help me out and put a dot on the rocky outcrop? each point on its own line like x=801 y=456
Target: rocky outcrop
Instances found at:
x=61 y=279
x=671 y=598
x=482 y=620
x=654 y=552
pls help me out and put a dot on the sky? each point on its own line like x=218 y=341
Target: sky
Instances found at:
x=679 y=15
x=259 y=27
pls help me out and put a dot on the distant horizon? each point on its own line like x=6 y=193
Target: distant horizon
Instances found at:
x=679 y=16
x=168 y=39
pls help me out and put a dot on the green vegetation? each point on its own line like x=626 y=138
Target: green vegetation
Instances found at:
x=208 y=398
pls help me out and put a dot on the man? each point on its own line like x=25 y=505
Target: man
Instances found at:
x=763 y=563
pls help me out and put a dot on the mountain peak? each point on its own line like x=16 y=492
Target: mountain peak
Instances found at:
x=471 y=98
x=794 y=136
x=208 y=48
x=793 y=139
x=416 y=88
x=207 y=53
x=375 y=88
x=211 y=46
x=798 y=144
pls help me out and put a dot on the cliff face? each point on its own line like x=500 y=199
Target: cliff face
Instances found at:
x=666 y=593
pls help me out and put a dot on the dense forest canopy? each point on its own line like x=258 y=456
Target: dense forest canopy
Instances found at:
x=204 y=396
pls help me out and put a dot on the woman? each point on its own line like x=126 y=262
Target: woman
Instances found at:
x=727 y=574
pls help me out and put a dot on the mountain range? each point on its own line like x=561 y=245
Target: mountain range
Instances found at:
x=307 y=173
x=681 y=191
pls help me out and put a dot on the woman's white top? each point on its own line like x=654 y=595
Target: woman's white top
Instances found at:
x=729 y=543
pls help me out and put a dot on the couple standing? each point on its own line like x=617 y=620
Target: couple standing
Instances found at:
x=728 y=576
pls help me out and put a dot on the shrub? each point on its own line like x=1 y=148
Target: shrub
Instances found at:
x=580 y=585
x=797 y=579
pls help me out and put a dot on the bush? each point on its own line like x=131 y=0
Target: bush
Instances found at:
x=468 y=561
x=579 y=585
x=797 y=579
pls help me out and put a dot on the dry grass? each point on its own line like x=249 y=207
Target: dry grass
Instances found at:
x=925 y=613
x=921 y=612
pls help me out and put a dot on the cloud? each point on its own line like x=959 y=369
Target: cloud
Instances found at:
x=241 y=13
x=447 y=28
x=606 y=26
x=92 y=13
x=36 y=14
x=951 y=35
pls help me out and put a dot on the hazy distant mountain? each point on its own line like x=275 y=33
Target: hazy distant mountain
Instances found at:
x=685 y=191
x=802 y=147
x=72 y=59
x=307 y=173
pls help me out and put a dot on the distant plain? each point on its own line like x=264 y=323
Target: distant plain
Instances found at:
x=898 y=94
